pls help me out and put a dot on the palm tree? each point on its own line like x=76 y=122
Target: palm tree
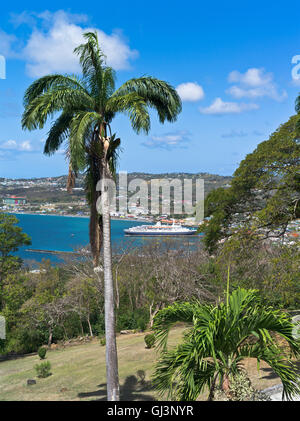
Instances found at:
x=220 y=338
x=87 y=107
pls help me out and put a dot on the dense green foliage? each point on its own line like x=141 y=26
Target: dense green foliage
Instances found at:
x=42 y=351
x=11 y=238
x=265 y=191
x=62 y=303
x=273 y=270
x=102 y=340
x=220 y=338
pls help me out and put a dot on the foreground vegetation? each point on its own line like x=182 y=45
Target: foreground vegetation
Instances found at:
x=221 y=337
x=60 y=303
x=78 y=372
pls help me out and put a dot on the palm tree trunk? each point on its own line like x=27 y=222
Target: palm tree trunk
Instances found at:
x=95 y=233
x=112 y=376
x=212 y=389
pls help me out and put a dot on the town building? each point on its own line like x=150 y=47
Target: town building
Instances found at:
x=14 y=201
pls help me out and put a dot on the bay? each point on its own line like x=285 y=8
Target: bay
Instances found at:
x=68 y=233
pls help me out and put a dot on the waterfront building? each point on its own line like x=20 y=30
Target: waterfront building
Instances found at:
x=14 y=201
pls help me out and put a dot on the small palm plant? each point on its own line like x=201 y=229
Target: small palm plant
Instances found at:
x=220 y=338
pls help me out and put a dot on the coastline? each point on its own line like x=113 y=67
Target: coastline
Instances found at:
x=113 y=218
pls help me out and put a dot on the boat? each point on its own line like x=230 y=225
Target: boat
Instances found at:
x=159 y=229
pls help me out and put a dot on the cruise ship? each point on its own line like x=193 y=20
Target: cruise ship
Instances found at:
x=159 y=229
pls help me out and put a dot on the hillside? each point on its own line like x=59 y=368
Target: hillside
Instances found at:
x=53 y=189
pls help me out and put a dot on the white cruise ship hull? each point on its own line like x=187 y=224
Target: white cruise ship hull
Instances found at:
x=158 y=233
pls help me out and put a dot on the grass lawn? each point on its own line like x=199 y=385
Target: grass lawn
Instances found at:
x=78 y=372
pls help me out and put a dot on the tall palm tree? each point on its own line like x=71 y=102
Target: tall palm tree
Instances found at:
x=87 y=107
x=220 y=338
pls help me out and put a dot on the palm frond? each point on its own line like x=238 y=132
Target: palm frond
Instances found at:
x=182 y=374
x=285 y=369
x=224 y=335
x=58 y=133
x=81 y=123
x=50 y=82
x=134 y=106
x=92 y=62
x=156 y=93
x=165 y=318
x=113 y=154
x=47 y=104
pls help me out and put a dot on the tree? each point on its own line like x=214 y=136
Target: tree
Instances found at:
x=220 y=338
x=274 y=271
x=264 y=196
x=167 y=273
x=49 y=304
x=84 y=299
x=11 y=238
x=87 y=108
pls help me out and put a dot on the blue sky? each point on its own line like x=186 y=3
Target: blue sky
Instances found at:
x=231 y=63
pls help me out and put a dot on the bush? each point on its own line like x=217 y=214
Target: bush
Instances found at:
x=42 y=352
x=24 y=340
x=126 y=321
x=241 y=389
x=137 y=319
x=43 y=369
x=102 y=341
x=149 y=340
x=142 y=324
x=99 y=327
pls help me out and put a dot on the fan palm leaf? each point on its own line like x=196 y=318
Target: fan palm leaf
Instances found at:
x=219 y=339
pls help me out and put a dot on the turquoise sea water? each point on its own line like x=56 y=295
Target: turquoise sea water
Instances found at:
x=62 y=233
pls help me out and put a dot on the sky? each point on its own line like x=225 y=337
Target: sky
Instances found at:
x=235 y=65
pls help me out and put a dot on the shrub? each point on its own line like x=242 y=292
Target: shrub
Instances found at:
x=23 y=340
x=42 y=352
x=126 y=321
x=142 y=324
x=102 y=341
x=241 y=389
x=43 y=369
x=99 y=327
x=137 y=319
x=149 y=340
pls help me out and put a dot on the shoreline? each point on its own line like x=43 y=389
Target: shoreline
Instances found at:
x=114 y=218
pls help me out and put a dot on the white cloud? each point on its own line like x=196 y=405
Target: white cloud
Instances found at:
x=221 y=107
x=254 y=83
x=190 y=91
x=12 y=145
x=252 y=77
x=26 y=146
x=9 y=144
x=168 y=140
x=50 y=46
x=6 y=41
